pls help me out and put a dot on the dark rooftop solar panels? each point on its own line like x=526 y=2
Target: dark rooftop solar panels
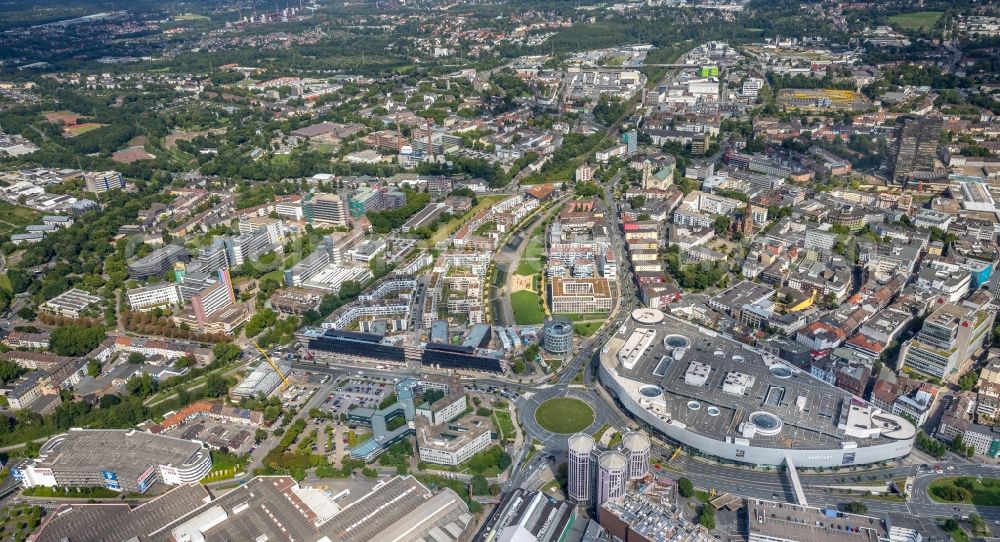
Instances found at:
x=353 y=335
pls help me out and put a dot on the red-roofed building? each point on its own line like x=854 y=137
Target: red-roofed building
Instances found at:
x=541 y=192
x=820 y=336
x=865 y=346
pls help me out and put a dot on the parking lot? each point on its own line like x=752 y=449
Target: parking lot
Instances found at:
x=502 y=393
x=296 y=396
x=217 y=434
x=357 y=392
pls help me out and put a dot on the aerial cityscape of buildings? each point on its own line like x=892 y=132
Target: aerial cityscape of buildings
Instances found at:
x=656 y=271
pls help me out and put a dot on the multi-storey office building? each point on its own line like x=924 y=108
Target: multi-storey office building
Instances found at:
x=948 y=339
x=158 y=262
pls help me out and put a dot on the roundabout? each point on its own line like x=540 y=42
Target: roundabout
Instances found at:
x=564 y=415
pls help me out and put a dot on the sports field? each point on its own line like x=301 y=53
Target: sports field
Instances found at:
x=919 y=20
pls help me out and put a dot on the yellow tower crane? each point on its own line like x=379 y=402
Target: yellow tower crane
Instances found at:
x=273 y=364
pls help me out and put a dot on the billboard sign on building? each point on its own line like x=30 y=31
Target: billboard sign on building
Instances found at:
x=147 y=479
x=111 y=480
x=170 y=475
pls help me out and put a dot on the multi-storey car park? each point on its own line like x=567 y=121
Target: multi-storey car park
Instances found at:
x=118 y=459
x=730 y=401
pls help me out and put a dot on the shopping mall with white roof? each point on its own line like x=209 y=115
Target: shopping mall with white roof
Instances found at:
x=730 y=401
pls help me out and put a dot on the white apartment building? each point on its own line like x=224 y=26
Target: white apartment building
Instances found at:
x=155 y=295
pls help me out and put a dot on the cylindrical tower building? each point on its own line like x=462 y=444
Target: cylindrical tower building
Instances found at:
x=612 y=471
x=637 y=446
x=557 y=335
x=580 y=447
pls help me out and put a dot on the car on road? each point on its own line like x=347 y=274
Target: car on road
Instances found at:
x=957 y=509
x=951 y=467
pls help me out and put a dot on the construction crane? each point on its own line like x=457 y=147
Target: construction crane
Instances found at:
x=274 y=365
x=674 y=455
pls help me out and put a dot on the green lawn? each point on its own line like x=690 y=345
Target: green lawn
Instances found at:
x=576 y=317
x=920 y=20
x=191 y=17
x=564 y=415
x=71 y=492
x=528 y=267
x=586 y=330
x=13 y=219
x=504 y=424
x=527 y=306
x=985 y=493
x=600 y=432
x=534 y=249
x=958 y=535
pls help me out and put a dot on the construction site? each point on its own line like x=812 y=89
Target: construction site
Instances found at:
x=822 y=99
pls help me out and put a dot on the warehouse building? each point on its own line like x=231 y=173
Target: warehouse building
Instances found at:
x=261 y=381
x=272 y=508
x=70 y=303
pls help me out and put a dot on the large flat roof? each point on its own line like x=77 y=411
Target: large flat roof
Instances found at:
x=126 y=452
x=787 y=521
x=808 y=408
x=80 y=521
x=584 y=287
x=274 y=506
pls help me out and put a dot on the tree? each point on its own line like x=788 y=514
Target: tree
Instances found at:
x=479 y=485
x=685 y=488
x=259 y=322
x=637 y=201
x=721 y=224
x=110 y=400
x=856 y=507
x=965 y=483
x=259 y=436
x=226 y=352
x=136 y=358
x=141 y=386
x=978 y=524
x=587 y=190
x=953 y=494
x=968 y=381
x=950 y=525
x=93 y=368
x=706 y=518
x=531 y=352
x=75 y=341
x=216 y=386
x=9 y=371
